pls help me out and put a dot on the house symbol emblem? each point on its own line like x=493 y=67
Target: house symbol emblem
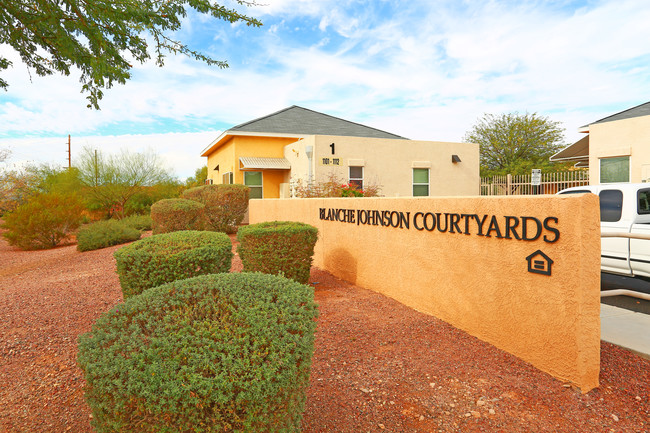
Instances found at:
x=539 y=263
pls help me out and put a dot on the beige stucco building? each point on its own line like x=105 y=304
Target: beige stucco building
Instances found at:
x=274 y=153
x=616 y=149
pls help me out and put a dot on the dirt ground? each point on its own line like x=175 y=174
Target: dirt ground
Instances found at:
x=378 y=365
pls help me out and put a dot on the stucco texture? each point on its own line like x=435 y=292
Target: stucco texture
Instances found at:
x=478 y=283
x=227 y=157
x=625 y=137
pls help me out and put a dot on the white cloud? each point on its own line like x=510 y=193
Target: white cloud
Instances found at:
x=422 y=70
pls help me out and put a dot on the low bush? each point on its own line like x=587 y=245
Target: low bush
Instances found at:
x=225 y=205
x=139 y=222
x=215 y=353
x=332 y=185
x=174 y=214
x=44 y=221
x=102 y=234
x=168 y=257
x=278 y=247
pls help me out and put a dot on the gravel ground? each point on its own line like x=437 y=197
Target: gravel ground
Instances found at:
x=378 y=365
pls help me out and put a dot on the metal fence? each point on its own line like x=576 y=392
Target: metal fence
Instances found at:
x=520 y=184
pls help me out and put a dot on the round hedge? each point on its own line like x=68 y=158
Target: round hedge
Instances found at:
x=225 y=205
x=167 y=257
x=275 y=247
x=215 y=353
x=174 y=214
x=102 y=234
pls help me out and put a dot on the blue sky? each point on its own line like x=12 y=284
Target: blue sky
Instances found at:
x=421 y=69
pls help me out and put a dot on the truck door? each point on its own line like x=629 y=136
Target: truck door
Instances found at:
x=614 y=251
x=640 y=248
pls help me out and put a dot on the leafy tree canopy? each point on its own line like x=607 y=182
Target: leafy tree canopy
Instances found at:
x=19 y=185
x=101 y=37
x=200 y=175
x=515 y=143
x=113 y=180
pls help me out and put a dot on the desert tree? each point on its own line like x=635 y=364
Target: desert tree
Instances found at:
x=199 y=178
x=112 y=180
x=102 y=38
x=515 y=143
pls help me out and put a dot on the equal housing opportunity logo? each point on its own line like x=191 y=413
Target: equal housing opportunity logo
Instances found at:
x=522 y=228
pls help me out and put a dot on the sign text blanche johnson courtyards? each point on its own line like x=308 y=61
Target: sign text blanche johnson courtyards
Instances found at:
x=525 y=228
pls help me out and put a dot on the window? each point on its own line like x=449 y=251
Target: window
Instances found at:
x=420 y=182
x=643 y=200
x=611 y=205
x=253 y=180
x=615 y=169
x=356 y=177
x=227 y=178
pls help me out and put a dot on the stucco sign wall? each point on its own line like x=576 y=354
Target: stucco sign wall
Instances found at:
x=522 y=273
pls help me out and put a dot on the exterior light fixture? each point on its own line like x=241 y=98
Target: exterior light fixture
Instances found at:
x=309 y=151
x=455 y=159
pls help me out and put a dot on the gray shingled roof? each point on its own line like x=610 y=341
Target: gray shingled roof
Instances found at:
x=298 y=120
x=638 y=111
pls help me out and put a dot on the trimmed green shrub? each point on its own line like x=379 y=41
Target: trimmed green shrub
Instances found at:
x=104 y=234
x=139 y=222
x=215 y=353
x=174 y=214
x=225 y=205
x=168 y=257
x=44 y=221
x=278 y=246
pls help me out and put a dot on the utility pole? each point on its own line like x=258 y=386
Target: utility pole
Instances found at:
x=69 y=154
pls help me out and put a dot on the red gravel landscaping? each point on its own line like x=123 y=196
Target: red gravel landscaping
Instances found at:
x=378 y=365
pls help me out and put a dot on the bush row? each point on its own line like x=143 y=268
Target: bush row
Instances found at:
x=219 y=208
x=102 y=234
x=167 y=257
x=278 y=247
x=106 y=233
x=140 y=222
x=44 y=221
x=176 y=214
x=215 y=353
x=225 y=205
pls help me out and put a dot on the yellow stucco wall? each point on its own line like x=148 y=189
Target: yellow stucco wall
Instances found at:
x=228 y=154
x=224 y=157
x=272 y=180
x=478 y=283
x=627 y=137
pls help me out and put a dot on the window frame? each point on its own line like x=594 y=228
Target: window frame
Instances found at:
x=358 y=181
x=231 y=179
x=610 y=159
x=645 y=191
x=260 y=186
x=427 y=184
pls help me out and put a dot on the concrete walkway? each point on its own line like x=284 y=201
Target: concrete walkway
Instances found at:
x=625 y=328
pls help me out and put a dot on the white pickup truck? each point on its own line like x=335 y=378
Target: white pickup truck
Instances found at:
x=625 y=227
